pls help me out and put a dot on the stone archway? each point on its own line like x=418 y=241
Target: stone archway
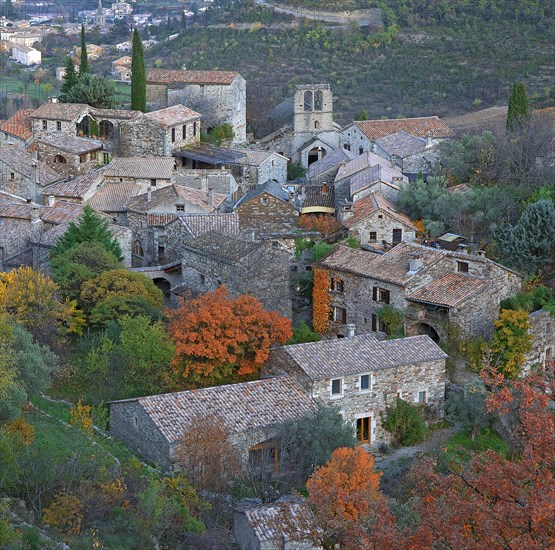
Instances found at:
x=429 y=330
x=165 y=286
x=315 y=154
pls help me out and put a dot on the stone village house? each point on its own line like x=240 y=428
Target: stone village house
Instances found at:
x=431 y=288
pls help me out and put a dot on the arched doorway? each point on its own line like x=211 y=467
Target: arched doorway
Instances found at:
x=428 y=330
x=165 y=286
x=315 y=155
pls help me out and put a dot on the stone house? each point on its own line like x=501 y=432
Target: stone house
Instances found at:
x=219 y=95
x=16 y=130
x=362 y=375
x=23 y=175
x=251 y=411
x=367 y=173
x=325 y=170
x=258 y=167
x=143 y=211
x=361 y=136
x=541 y=330
x=285 y=524
x=121 y=68
x=220 y=181
x=431 y=288
x=375 y=221
x=267 y=209
x=244 y=267
x=79 y=190
x=69 y=155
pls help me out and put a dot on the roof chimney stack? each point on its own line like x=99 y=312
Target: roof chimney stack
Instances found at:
x=149 y=194
x=33 y=183
x=416 y=262
x=324 y=188
x=351 y=330
x=51 y=200
x=211 y=196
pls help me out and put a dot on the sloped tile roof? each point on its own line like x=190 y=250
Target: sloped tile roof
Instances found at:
x=8 y=198
x=71 y=144
x=401 y=144
x=61 y=111
x=22 y=161
x=332 y=160
x=61 y=212
x=170 y=193
x=165 y=76
x=225 y=247
x=391 y=267
x=254 y=157
x=19 y=124
x=124 y=114
x=141 y=168
x=420 y=127
x=271 y=187
x=200 y=224
x=77 y=187
x=171 y=116
x=314 y=197
x=450 y=290
x=113 y=196
x=363 y=353
x=372 y=203
x=242 y=407
x=362 y=162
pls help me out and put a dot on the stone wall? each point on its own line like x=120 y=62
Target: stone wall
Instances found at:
x=543 y=339
x=267 y=213
x=14 y=240
x=143 y=235
x=75 y=164
x=221 y=181
x=355 y=140
x=52 y=126
x=383 y=225
x=306 y=117
x=130 y=423
x=142 y=137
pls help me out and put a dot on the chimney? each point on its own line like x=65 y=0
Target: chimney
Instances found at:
x=33 y=183
x=324 y=188
x=210 y=196
x=350 y=330
x=416 y=262
x=35 y=214
x=149 y=194
x=204 y=182
x=51 y=200
x=429 y=139
x=53 y=99
x=481 y=253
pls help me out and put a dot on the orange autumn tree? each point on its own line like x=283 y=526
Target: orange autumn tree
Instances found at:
x=343 y=493
x=321 y=300
x=324 y=224
x=220 y=337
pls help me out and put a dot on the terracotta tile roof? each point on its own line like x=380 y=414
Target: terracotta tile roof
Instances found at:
x=315 y=198
x=78 y=187
x=165 y=76
x=252 y=157
x=363 y=353
x=61 y=212
x=420 y=127
x=401 y=144
x=71 y=144
x=112 y=197
x=19 y=124
x=156 y=219
x=450 y=290
x=332 y=160
x=372 y=203
x=114 y=113
x=200 y=224
x=8 y=198
x=70 y=112
x=172 y=193
x=171 y=116
x=243 y=407
x=391 y=267
x=22 y=161
x=226 y=248
x=141 y=168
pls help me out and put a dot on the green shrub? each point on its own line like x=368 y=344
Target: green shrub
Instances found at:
x=295 y=170
x=320 y=250
x=303 y=333
x=393 y=320
x=405 y=423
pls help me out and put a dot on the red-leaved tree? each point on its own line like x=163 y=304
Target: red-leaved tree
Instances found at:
x=220 y=337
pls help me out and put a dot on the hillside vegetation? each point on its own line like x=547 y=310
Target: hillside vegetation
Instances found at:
x=433 y=57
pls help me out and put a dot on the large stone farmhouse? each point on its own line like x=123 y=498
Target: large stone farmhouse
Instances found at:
x=431 y=288
x=219 y=95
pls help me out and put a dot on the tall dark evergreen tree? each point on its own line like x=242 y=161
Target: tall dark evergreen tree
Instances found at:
x=84 y=66
x=518 y=112
x=138 y=74
x=70 y=78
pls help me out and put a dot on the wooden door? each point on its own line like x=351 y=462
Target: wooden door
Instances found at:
x=363 y=429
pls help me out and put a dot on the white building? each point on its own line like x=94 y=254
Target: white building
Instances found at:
x=26 y=55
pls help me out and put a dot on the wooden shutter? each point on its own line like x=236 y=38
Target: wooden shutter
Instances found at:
x=374 y=322
x=386 y=296
x=375 y=293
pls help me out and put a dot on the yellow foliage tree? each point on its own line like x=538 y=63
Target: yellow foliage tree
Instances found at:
x=321 y=300
x=80 y=417
x=511 y=342
x=64 y=514
x=23 y=430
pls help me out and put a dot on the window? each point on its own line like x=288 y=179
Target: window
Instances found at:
x=105 y=129
x=381 y=295
x=106 y=158
x=337 y=285
x=347 y=146
x=58 y=126
x=397 y=235
x=318 y=100
x=308 y=268
x=45 y=125
x=12 y=176
x=548 y=354
x=59 y=159
x=380 y=216
x=365 y=382
x=340 y=314
x=153 y=182
x=184 y=135
x=202 y=278
x=264 y=457
x=308 y=100
x=138 y=249
x=93 y=155
x=462 y=267
x=173 y=135
x=377 y=324
x=372 y=236
x=363 y=429
x=180 y=208
x=360 y=150
x=264 y=200
x=337 y=387
x=422 y=396
x=316 y=125
x=82 y=158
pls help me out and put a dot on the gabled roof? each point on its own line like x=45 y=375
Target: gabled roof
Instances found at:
x=210 y=154
x=449 y=290
x=200 y=224
x=19 y=124
x=174 y=115
x=71 y=144
x=172 y=193
x=226 y=248
x=375 y=174
x=254 y=157
x=358 y=354
x=271 y=188
x=165 y=76
x=402 y=144
x=141 y=168
x=374 y=203
x=362 y=162
x=70 y=112
x=22 y=161
x=77 y=187
x=331 y=160
x=242 y=407
x=423 y=127
x=61 y=212
x=113 y=196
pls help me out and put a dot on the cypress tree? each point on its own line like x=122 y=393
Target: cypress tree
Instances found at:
x=138 y=74
x=70 y=78
x=518 y=112
x=84 y=66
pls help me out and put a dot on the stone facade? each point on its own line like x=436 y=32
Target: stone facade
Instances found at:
x=67 y=162
x=220 y=181
x=542 y=332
